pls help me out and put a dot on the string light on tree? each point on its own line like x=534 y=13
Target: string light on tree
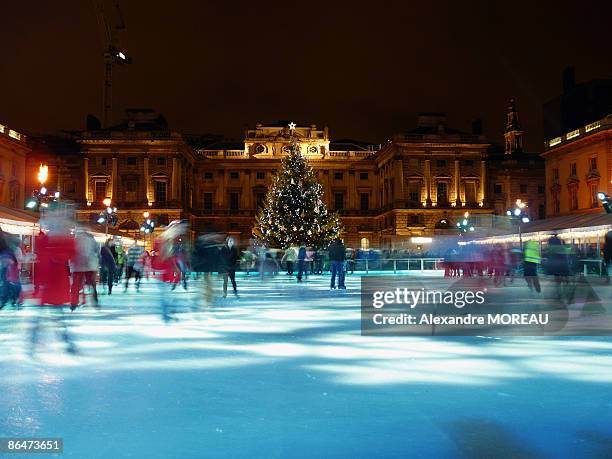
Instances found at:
x=293 y=210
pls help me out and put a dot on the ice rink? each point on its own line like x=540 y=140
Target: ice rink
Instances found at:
x=282 y=371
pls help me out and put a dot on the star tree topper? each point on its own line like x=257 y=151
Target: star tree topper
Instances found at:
x=292 y=126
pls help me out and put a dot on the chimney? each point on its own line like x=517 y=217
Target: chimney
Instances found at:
x=569 y=79
x=477 y=126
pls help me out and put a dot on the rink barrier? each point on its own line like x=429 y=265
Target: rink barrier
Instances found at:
x=398 y=264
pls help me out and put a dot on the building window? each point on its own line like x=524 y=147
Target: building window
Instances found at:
x=208 y=175
x=541 y=189
x=364 y=201
x=442 y=195
x=594 y=189
x=414 y=191
x=234 y=201
x=339 y=201
x=541 y=211
x=160 y=191
x=414 y=220
x=573 y=192
x=260 y=199
x=573 y=169
x=71 y=187
x=338 y=175
x=593 y=163
x=363 y=176
x=523 y=188
x=260 y=175
x=234 y=175
x=207 y=201
x=131 y=187
x=555 y=173
x=441 y=163
x=469 y=162
x=100 y=191
x=498 y=188
x=161 y=161
x=365 y=243
x=131 y=160
x=103 y=161
x=470 y=193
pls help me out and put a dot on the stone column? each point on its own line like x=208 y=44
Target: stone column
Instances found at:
x=352 y=201
x=483 y=183
x=113 y=194
x=457 y=184
x=399 y=177
x=174 y=181
x=508 y=197
x=428 y=182
x=147 y=179
x=86 y=178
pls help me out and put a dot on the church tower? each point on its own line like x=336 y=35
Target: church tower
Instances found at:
x=513 y=133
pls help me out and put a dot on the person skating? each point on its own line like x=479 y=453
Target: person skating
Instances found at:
x=84 y=267
x=301 y=260
x=290 y=257
x=227 y=265
x=607 y=256
x=205 y=260
x=108 y=267
x=134 y=265
x=337 y=254
x=531 y=260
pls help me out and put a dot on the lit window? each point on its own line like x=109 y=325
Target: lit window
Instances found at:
x=555 y=141
x=571 y=135
x=592 y=126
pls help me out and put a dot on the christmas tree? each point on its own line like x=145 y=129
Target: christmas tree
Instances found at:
x=293 y=210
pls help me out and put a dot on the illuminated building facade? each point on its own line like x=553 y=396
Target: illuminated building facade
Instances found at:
x=578 y=166
x=516 y=173
x=13 y=151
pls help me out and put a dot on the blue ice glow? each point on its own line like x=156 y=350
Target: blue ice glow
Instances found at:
x=268 y=373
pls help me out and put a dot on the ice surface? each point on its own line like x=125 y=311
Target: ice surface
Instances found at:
x=282 y=371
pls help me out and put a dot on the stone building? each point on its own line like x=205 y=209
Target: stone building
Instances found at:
x=428 y=178
x=231 y=180
x=140 y=165
x=578 y=166
x=516 y=173
x=13 y=151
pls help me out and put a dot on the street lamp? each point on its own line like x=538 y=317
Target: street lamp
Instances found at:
x=109 y=215
x=465 y=225
x=147 y=226
x=519 y=215
x=42 y=198
x=606 y=201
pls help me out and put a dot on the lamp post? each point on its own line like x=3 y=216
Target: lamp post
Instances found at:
x=465 y=225
x=42 y=198
x=109 y=215
x=519 y=215
x=606 y=201
x=147 y=226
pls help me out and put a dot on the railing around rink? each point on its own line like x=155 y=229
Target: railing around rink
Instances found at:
x=396 y=264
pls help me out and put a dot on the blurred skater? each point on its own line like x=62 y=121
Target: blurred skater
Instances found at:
x=227 y=265
x=84 y=267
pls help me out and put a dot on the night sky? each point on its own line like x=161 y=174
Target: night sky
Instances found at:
x=362 y=68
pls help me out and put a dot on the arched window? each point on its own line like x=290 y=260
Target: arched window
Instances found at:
x=365 y=243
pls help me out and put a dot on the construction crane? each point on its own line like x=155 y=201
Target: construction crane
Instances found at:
x=111 y=24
